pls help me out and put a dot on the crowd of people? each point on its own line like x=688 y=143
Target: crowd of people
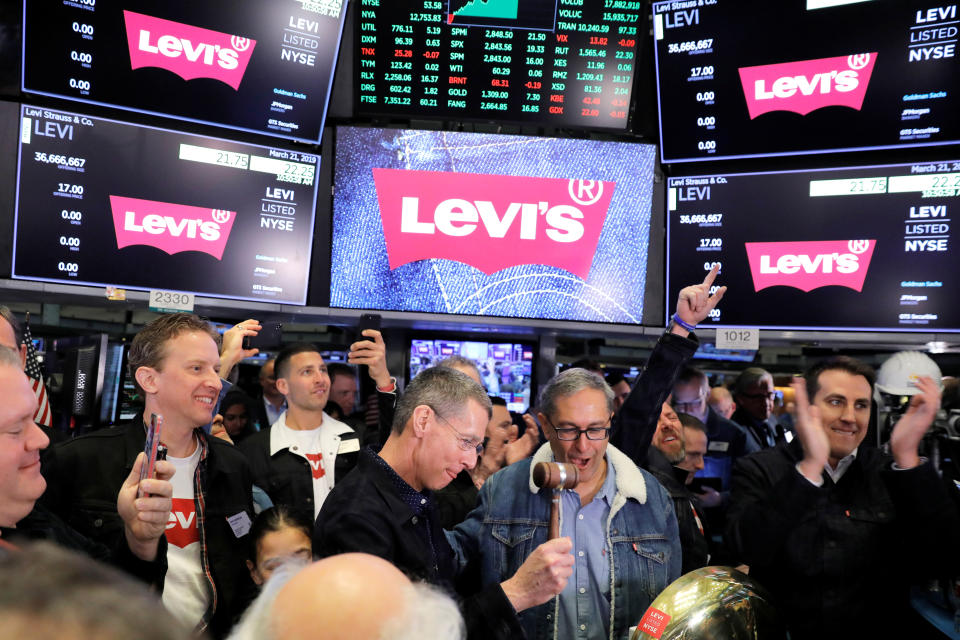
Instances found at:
x=274 y=518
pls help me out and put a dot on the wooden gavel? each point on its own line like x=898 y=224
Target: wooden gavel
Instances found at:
x=556 y=476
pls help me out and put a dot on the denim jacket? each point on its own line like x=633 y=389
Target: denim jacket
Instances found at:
x=511 y=520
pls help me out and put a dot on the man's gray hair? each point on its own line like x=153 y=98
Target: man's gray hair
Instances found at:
x=570 y=382
x=10 y=358
x=11 y=319
x=455 y=362
x=445 y=390
x=429 y=614
x=748 y=378
x=257 y=621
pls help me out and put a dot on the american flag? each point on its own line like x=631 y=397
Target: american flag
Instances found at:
x=43 y=415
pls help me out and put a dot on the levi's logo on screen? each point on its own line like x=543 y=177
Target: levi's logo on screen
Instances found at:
x=810 y=265
x=807 y=85
x=172 y=228
x=491 y=222
x=190 y=52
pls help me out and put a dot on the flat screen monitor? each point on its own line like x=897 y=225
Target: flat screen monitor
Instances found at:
x=264 y=66
x=753 y=78
x=101 y=202
x=864 y=248
x=552 y=62
x=505 y=367
x=491 y=225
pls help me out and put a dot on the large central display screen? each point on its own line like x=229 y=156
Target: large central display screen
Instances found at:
x=564 y=63
x=254 y=65
x=105 y=203
x=746 y=78
x=492 y=225
x=857 y=248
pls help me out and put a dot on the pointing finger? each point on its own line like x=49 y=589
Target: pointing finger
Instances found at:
x=711 y=276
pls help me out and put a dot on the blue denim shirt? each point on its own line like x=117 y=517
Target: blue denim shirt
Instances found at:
x=511 y=520
x=585 y=602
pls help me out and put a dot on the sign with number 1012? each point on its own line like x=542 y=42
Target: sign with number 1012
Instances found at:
x=738 y=338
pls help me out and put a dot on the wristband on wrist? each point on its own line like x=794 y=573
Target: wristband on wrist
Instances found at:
x=679 y=321
x=390 y=388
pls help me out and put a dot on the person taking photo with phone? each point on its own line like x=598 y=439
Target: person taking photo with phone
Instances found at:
x=176 y=365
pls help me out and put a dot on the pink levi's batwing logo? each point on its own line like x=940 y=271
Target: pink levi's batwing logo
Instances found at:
x=810 y=265
x=172 y=228
x=491 y=222
x=190 y=52
x=807 y=85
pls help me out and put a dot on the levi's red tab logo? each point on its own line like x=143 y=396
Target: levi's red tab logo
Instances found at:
x=810 y=265
x=172 y=228
x=491 y=222
x=654 y=622
x=190 y=52
x=182 y=523
x=807 y=85
x=316 y=465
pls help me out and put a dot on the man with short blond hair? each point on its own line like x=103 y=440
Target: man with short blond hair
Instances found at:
x=175 y=362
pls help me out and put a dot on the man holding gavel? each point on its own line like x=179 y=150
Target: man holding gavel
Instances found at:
x=621 y=521
x=624 y=532
x=385 y=506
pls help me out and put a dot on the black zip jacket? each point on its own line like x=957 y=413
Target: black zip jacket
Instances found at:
x=840 y=557
x=84 y=475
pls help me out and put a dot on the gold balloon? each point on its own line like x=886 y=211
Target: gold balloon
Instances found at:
x=712 y=603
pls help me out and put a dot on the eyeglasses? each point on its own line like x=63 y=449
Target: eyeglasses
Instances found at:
x=686 y=407
x=465 y=443
x=569 y=434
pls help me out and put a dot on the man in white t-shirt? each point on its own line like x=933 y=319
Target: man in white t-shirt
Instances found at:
x=175 y=363
x=299 y=459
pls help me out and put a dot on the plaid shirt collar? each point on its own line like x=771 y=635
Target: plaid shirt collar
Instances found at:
x=199 y=500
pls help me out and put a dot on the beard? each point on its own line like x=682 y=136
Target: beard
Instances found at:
x=675 y=457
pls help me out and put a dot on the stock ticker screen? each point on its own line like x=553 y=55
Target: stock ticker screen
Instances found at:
x=744 y=78
x=264 y=67
x=563 y=63
x=101 y=202
x=851 y=248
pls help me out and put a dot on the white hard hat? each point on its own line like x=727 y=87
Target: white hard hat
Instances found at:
x=898 y=374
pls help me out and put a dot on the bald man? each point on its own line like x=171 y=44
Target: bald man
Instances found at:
x=721 y=401
x=348 y=596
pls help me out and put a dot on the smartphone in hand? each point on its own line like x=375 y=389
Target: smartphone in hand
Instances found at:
x=151 y=449
x=368 y=321
x=270 y=337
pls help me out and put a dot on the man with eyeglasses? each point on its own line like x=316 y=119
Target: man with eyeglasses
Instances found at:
x=385 y=507
x=726 y=440
x=754 y=394
x=618 y=517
